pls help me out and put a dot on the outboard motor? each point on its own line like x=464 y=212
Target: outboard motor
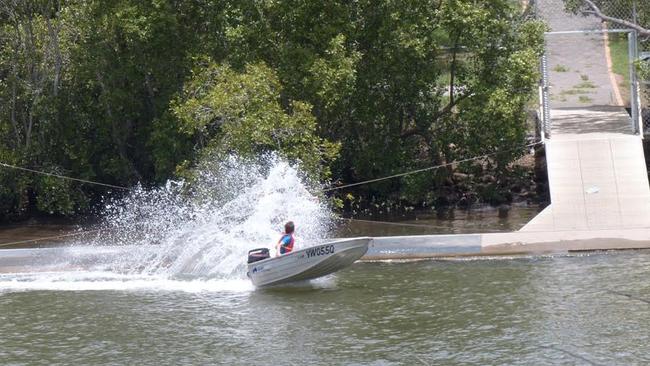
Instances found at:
x=258 y=254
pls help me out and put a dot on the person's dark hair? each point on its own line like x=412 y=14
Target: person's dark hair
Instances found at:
x=288 y=227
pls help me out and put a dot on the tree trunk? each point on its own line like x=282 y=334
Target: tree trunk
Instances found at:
x=58 y=59
x=28 y=132
x=595 y=10
x=150 y=93
x=452 y=72
x=14 y=123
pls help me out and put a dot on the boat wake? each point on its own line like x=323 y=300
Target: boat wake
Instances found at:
x=107 y=281
x=187 y=235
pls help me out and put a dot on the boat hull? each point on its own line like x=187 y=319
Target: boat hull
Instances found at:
x=308 y=263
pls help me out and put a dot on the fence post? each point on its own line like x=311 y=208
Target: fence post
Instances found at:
x=546 y=117
x=635 y=101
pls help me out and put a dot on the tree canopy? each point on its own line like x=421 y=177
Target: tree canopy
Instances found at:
x=126 y=91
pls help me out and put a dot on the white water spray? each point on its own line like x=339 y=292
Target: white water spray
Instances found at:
x=206 y=230
x=193 y=233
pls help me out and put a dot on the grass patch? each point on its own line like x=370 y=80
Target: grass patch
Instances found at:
x=560 y=68
x=585 y=85
x=584 y=99
x=618 y=49
x=575 y=91
x=584 y=77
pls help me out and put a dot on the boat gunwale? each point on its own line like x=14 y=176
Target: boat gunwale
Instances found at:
x=289 y=255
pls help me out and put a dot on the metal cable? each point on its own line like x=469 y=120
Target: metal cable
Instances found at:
x=429 y=168
x=47 y=238
x=324 y=190
x=423 y=226
x=62 y=176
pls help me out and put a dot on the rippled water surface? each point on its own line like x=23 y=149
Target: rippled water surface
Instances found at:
x=161 y=281
x=585 y=309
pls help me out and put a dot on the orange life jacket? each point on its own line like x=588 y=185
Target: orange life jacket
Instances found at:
x=286 y=247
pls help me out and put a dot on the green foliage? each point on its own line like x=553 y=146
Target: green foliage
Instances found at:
x=494 y=118
x=121 y=91
x=13 y=192
x=643 y=69
x=54 y=195
x=334 y=76
x=241 y=113
x=170 y=150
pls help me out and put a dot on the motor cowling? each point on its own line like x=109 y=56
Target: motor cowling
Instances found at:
x=258 y=254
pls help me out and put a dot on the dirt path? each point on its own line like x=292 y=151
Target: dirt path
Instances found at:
x=580 y=75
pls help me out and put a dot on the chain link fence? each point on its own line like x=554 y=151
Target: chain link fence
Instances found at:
x=645 y=105
x=621 y=9
x=573 y=15
x=565 y=15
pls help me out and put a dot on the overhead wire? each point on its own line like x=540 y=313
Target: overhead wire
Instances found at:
x=423 y=226
x=430 y=168
x=47 y=238
x=323 y=190
x=62 y=176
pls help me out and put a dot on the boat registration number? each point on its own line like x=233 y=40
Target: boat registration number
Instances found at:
x=321 y=250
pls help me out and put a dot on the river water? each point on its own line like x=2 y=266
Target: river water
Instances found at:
x=583 y=309
x=174 y=292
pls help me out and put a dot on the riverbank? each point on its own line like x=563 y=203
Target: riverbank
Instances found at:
x=35 y=233
x=524 y=182
x=427 y=235
x=45 y=232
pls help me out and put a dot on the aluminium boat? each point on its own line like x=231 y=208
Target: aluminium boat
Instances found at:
x=304 y=264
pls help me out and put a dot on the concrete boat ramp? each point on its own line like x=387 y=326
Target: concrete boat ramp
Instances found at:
x=600 y=198
x=494 y=244
x=599 y=201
